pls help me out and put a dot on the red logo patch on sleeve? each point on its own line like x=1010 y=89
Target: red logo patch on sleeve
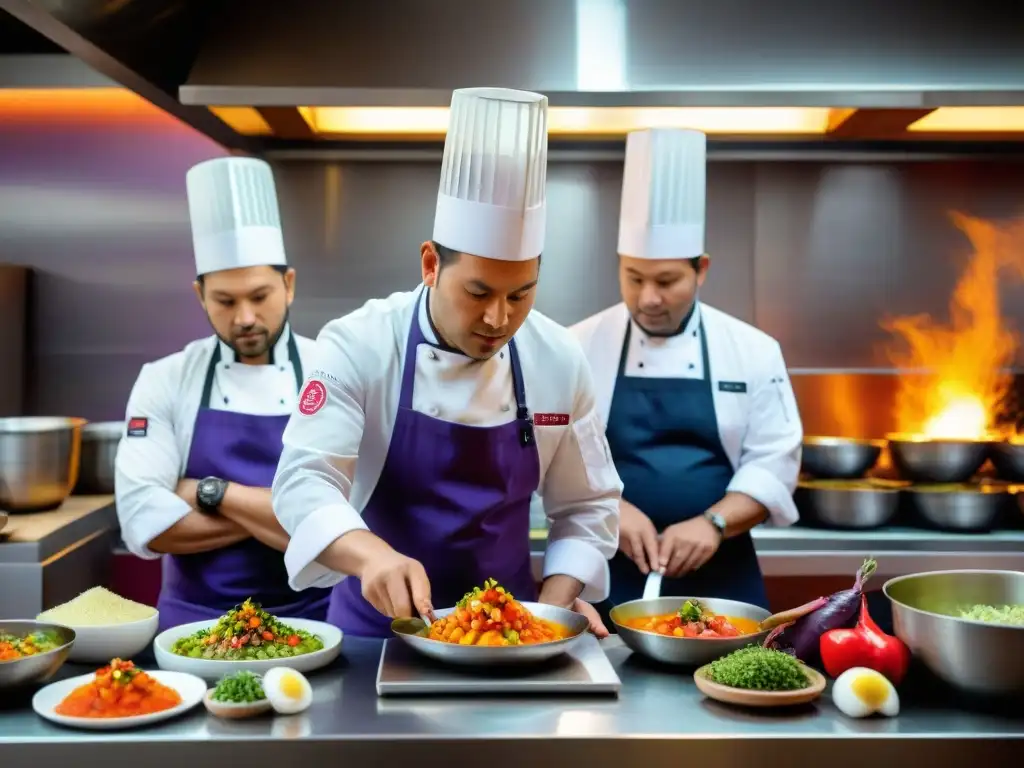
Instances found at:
x=313 y=398
x=551 y=419
x=137 y=427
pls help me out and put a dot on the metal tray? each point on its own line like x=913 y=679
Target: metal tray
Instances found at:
x=584 y=669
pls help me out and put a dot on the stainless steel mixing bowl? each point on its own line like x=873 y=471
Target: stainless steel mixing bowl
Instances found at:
x=938 y=461
x=682 y=651
x=973 y=656
x=839 y=458
x=99 y=447
x=33 y=670
x=413 y=632
x=39 y=461
x=970 y=509
x=1008 y=459
x=848 y=504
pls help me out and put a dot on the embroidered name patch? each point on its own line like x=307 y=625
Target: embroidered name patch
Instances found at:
x=551 y=419
x=732 y=386
x=312 y=398
x=137 y=427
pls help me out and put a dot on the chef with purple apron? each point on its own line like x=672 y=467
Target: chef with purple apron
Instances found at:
x=203 y=426
x=436 y=415
x=701 y=419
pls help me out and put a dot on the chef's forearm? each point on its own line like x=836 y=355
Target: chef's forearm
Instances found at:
x=251 y=508
x=197 y=532
x=350 y=553
x=740 y=512
x=561 y=590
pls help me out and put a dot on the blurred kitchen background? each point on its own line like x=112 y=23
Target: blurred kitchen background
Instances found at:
x=818 y=238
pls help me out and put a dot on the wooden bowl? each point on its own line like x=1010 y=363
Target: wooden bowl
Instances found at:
x=232 y=710
x=748 y=698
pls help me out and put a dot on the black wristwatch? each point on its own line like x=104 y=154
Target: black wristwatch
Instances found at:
x=210 y=493
x=718 y=521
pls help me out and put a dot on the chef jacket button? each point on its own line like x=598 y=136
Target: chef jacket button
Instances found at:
x=280 y=367
x=432 y=355
x=641 y=365
x=506 y=407
x=692 y=366
x=433 y=410
x=501 y=355
x=695 y=334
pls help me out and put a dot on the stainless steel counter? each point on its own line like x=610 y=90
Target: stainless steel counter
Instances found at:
x=658 y=716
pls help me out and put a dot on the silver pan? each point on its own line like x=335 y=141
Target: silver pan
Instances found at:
x=413 y=632
x=684 y=651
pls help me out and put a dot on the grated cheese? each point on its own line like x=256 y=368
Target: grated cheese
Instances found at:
x=95 y=607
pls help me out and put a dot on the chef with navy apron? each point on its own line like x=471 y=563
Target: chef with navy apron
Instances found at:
x=429 y=454
x=701 y=418
x=203 y=425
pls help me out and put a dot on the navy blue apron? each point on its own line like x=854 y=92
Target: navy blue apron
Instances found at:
x=664 y=440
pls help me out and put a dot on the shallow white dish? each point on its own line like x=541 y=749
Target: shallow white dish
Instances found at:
x=191 y=688
x=98 y=644
x=213 y=669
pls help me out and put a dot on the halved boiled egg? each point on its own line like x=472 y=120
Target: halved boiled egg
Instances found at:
x=861 y=692
x=288 y=691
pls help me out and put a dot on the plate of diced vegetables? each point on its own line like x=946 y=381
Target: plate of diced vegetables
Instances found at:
x=247 y=638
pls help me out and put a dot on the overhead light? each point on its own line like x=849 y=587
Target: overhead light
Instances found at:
x=246 y=120
x=432 y=122
x=971 y=120
x=80 y=106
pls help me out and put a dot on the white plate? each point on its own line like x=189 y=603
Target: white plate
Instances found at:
x=191 y=688
x=214 y=669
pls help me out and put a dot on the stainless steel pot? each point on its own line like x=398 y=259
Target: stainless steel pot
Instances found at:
x=1008 y=459
x=973 y=656
x=968 y=509
x=99 y=447
x=33 y=670
x=938 y=461
x=39 y=461
x=839 y=458
x=849 y=504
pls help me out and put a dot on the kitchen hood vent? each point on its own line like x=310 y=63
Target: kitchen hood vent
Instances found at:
x=327 y=71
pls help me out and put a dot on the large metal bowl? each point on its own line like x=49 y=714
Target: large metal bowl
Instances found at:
x=973 y=656
x=39 y=461
x=961 y=508
x=33 y=670
x=413 y=632
x=839 y=458
x=848 y=504
x=99 y=447
x=938 y=461
x=682 y=651
x=1008 y=459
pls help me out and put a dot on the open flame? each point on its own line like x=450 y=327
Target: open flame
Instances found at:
x=959 y=385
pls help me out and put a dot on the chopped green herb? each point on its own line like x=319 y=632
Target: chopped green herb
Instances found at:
x=759 y=669
x=240 y=688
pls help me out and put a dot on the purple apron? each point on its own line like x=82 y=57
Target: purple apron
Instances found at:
x=454 y=497
x=245 y=449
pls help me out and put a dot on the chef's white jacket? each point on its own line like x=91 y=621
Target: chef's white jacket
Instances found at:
x=758 y=421
x=167 y=393
x=332 y=459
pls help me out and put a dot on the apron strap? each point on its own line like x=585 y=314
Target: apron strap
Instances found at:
x=415 y=337
x=211 y=369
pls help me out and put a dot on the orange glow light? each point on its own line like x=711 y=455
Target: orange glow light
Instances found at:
x=83 y=107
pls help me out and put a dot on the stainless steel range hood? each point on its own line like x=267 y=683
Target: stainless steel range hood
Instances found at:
x=257 y=75
x=613 y=53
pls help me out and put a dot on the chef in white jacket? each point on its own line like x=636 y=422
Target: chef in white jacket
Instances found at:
x=434 y=415
x=701 y=419
x=204 y=425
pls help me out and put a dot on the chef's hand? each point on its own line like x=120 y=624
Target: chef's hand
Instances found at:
x=638 y=538
x=397 y=586
x=596 y=625
x=686 y=546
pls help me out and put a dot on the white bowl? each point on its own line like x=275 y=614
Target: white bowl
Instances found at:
x=214 y=669
x=99 y=643
x=47 y=699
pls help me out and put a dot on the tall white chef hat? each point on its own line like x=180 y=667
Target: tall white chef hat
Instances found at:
x=232 y=203
x=491 y=199
x=663 y=188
